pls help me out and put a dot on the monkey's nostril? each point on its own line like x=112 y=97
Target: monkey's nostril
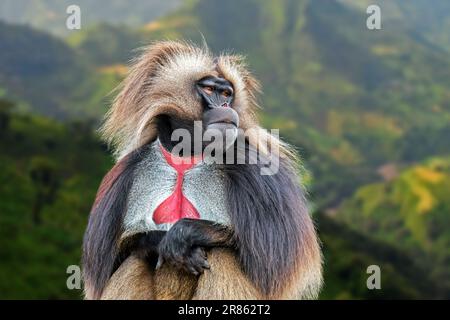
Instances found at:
x=225 y=105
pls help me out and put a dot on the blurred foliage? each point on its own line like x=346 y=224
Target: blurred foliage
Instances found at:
x=410 y=213
x=50 y=173
x=369 y=112
x=44 y=74
x=348 y=253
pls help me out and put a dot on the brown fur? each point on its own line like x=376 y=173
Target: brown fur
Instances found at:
x=147 y=92
x=134 y=280
x=225 y=280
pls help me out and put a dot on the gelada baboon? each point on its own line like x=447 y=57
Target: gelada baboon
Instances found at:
x=167 y=229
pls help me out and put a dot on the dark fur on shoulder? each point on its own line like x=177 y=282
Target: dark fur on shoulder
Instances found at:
x=100 y=245
x=268 y=213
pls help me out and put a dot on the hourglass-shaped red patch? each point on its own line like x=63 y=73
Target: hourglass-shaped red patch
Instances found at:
x=177 y=206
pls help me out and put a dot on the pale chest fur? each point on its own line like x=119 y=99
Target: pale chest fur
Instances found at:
x=154 y=181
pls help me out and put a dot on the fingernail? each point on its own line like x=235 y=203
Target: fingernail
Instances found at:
x=159 y=263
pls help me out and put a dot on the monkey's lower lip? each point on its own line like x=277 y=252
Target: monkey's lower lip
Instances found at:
x=226 y=122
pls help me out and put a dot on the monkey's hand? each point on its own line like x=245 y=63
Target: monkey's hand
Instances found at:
x=184 y=244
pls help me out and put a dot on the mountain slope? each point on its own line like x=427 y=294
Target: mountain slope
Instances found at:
x=49 y=77
x=348 y=253
x=411 y=212
x=428 y=23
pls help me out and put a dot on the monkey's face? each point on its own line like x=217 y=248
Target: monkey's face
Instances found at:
x=207 y=114
x=175 y=86
x=219 y=118
x=217 y=126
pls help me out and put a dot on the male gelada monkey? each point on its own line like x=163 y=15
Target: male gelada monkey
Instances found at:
x=165 y=229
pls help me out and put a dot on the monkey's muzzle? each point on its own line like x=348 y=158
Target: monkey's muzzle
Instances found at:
x=221 y=125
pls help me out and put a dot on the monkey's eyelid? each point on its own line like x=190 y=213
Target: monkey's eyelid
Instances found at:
x=226 y=93
x=208 y=89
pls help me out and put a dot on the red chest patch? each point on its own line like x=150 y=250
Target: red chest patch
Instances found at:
x=177 y=206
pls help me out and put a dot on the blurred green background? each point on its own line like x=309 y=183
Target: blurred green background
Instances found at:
x=369 y=112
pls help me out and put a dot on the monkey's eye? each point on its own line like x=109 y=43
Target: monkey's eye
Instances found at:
x=208 y=90
x=226 y=93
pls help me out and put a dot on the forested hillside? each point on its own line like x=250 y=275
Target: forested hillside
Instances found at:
x=50 y=173
x=411 y=213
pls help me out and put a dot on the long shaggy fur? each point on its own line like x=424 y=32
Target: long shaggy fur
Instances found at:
x=278 y=252
x=275 y=235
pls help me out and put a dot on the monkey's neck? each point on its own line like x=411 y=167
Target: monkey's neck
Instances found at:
x=157 y=180
x=177 y=206
x=166 y=126
x=180 y=164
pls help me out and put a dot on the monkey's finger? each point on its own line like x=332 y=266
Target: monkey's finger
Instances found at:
x=190 y=266
x=192 y=270
x=203 y=253
x=206 y=265
x=199 y=259
x=201 y=263
x=159 y=263
x=199 y=251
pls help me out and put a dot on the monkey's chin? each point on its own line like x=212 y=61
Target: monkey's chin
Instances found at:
x=220 y=135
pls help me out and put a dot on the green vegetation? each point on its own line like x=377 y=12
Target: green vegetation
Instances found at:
x=44 y=73
x=50 y=173
x=348 y=253
x=410 y=213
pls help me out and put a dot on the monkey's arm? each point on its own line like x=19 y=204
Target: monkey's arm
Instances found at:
x=202 y=233
x=142 y=245
x=177 y=278
x=183 y=245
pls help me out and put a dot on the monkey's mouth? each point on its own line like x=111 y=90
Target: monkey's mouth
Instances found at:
x=221 y=117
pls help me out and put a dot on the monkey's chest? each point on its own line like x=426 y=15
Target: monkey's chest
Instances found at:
x=163 y=192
